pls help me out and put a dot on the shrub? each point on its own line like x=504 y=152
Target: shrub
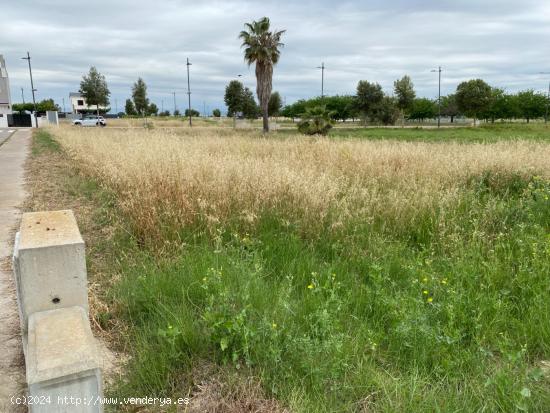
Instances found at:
x=316 y=121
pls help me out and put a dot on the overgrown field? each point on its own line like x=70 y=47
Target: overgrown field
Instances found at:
x=344 y=274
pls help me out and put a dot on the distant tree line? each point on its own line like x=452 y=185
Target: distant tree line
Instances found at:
x=41 y=107
x=473 y=98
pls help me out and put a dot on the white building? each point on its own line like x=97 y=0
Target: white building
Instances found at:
x=79 y=105
x=5 y=98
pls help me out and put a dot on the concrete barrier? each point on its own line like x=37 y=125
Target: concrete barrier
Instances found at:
x=50 y=264
x=60 y=353
x=62 y=362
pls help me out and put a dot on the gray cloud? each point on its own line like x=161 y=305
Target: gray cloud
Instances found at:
x=498 y=40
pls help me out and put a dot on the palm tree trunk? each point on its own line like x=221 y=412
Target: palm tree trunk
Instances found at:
x=264 y=74
x=265 y=117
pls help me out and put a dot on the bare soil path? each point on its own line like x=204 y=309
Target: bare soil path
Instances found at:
x=14 y=150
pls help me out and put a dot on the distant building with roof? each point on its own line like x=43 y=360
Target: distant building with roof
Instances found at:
x=5 y=97
x=79 y=105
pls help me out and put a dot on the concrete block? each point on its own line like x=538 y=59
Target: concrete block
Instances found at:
x=50 y=264
x=63 y=362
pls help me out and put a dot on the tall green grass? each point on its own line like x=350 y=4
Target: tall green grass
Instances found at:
x=449 y=314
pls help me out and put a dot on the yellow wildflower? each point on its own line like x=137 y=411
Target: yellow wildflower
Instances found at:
x=425 y=292
x=310 y=286
x=430 y=299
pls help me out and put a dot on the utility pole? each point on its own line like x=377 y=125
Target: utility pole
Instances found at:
x=174 y=93
x=116 y=106
x=63 y=105
x=189 y=92
x=162 y=105
x=204 y=108
x=28 y=59
x=438 y=97
x=322 y=67
x=22 y=96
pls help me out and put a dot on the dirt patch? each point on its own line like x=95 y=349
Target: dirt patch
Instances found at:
x=217 y=392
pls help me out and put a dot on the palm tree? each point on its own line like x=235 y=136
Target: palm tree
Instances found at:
x=262 y=47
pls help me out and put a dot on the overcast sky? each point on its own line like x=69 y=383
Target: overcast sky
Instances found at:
x=505 y=42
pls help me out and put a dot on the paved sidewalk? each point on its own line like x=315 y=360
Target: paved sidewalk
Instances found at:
x=13 y=153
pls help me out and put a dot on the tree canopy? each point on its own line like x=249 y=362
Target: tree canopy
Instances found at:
x=404 y=91
x=368 y=96
x=275 y=104
x=129 y=108
x=93 y=88
x=473 y=97
x=139 y=96
x=233 y=97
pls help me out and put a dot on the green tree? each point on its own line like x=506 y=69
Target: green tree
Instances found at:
x=129 y=108
x=139 y=95
x=262 y=48
x=473 y=97
x=152 y=109
x=531 y=105
x=164 y=113
x=46 y=105
x=505 y=106
x=316 y=121
x=294 y=110
x=404 y=91
x=275 y=104
x=249 y=107
x=22 y=107
x=194 y=113
x=449 y=107
x=386 y=111
x=233 y=97
x=368 y=96
x=216 y=113
x=423 y=108
x=341 y=107
x=93 y=88
x=177 y=113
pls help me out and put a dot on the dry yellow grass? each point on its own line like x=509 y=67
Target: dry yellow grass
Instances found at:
x=216 y=174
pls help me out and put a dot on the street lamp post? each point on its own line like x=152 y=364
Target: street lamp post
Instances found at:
x=322 y=67
x=438 y=96
x=28 y=59
x=189 y=92
x=174 y=93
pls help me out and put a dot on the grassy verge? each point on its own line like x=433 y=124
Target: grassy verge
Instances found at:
x=446 y=311
x=483 y=134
